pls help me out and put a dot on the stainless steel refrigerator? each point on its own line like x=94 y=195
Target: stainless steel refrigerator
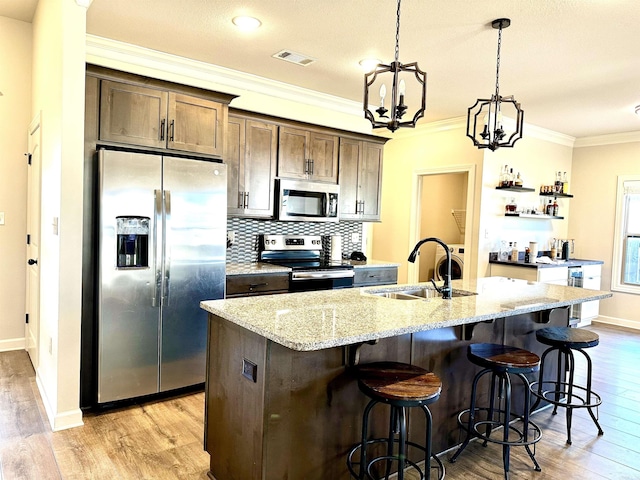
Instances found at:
x=162 y=247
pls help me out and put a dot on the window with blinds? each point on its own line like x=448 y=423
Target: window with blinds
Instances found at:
x=631 y=235
x=626 y=255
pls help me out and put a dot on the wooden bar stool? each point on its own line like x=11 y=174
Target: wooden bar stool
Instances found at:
x=559 y=392
x=400 y=386
x=501 y=361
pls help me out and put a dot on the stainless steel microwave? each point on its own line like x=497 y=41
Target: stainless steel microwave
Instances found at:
x=307 y=201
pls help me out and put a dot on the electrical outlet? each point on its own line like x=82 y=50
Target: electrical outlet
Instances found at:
x=249 y=370
x=231 y=238
x=355 y=237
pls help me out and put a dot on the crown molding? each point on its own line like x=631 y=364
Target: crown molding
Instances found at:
x=144 y=61
x=611 y=139
x=114 y=54
x=439 y=126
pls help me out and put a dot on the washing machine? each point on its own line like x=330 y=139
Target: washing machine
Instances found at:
x=457 y=262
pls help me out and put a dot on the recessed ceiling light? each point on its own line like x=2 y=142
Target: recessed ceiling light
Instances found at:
x=246 y=23
x=368 y=64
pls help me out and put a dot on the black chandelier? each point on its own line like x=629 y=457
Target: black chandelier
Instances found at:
x=488 y=113
x=397 y=72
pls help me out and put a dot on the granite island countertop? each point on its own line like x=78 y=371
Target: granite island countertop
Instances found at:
x=307 y=321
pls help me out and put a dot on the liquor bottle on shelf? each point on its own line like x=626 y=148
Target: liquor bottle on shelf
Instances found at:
x=565 y=183
x=514 y=252
x=555 y=208
x=504 y=177
x=549 y=208
x=511 y=177
x=557 y=187
x=518 y=180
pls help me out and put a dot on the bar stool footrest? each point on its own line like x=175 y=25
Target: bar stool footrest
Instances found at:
x=534 y=430
x=537 y=389
x=368 y=475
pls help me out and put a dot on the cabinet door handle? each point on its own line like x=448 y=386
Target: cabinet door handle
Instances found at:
x=162 y=129
x=253 y=286
x=246 y=200
x=311 y=166
x=172 y=127
x=240 y=199
x=306 y=166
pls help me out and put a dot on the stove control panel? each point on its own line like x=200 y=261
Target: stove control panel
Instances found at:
x=291 y=242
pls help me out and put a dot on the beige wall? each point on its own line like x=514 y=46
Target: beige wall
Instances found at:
x=536 y=157
x=595 y=172
x=15 y=111
x=405 y=158
x=59 y=29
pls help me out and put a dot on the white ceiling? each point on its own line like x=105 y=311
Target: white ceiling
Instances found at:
x=574 y=65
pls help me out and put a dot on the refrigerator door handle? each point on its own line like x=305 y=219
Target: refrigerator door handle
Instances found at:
x=167 y=246
x=157 y=251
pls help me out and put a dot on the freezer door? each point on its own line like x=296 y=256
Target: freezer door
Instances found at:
x=195 y=205
x=129 y=304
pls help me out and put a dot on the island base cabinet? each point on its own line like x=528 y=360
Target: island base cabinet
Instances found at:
x=298 y=419
x=274 y=413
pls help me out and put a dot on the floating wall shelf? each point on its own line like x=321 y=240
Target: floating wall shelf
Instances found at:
x=557 y=195
x=517 y=189
x=530 y=215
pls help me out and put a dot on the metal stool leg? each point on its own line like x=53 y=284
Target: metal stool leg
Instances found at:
x=491 y=411
x=589 y=391
x=470 y=422
x=506 y=448
x=525 y=430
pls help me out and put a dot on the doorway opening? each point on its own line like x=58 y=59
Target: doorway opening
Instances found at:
x=442 y=208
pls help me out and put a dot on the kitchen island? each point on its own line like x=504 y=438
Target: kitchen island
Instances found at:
x=280 y=399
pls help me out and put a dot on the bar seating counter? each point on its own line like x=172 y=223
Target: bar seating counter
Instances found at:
x=280 y=398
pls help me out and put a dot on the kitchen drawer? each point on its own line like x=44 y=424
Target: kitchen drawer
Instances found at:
x=590 y=271
x=375 y=276
x=245 y=285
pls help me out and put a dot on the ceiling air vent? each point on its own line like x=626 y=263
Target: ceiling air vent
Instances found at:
x=294 y=57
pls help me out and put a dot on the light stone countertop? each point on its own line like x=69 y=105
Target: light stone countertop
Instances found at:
x=307 y=321
x=257 y=268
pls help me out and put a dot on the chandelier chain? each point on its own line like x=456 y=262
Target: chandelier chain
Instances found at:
x=398 y=32
x=498 y=63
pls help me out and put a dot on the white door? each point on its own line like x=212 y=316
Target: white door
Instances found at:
x=32 y=331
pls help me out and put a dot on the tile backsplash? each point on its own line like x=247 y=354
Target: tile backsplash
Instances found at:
x=247 y=230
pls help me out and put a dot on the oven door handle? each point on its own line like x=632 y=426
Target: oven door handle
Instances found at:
x=319 y=276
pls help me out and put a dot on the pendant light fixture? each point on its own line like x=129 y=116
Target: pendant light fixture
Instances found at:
x=485 y=121
x=394 y=75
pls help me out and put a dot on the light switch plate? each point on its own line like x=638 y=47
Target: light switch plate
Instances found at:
x=55 y=225
x=1 y=218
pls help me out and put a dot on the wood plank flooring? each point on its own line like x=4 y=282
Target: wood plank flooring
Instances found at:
x=163 y=440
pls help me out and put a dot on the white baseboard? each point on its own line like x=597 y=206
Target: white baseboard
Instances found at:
x=62 y=420
x=620 y=322
x=11 y=344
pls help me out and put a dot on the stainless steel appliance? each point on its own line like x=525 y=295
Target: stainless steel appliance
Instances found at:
x=162 y=239
x=585 y=276
x=310 y=270
x=307 y=201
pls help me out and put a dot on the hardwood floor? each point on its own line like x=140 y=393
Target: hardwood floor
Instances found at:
x=163 y=440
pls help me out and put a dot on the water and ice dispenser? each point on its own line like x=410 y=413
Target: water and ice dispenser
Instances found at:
x=132 y=242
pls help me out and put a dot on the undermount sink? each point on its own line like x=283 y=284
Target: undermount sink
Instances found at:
x=419 y=293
